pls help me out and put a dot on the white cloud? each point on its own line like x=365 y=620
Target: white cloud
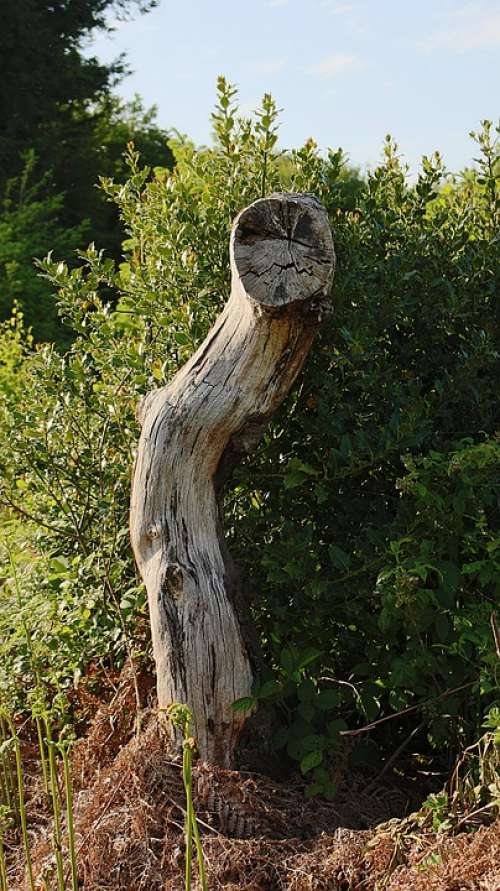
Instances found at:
x=335 y=64
x=337 y=8
x=275 y=3
x=471 y=27
x=266 y=67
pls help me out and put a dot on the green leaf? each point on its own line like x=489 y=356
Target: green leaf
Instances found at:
x=268 y=689
x=472 y=568
x=328 y=699
x=306 y=710
x=287 y=660
x=310 y=761
x=370 y=705
x=294 y=479
x=306 y=690
x=245 y=704
x=338 y=557
x=329 y=790
x=59 y=565
x=321 y=775
x=307 y=468
x=307 y=656
x=314 y=742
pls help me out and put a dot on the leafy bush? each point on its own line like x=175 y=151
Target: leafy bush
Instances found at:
x=367 y=519
x=38 y=213
x=15 y=344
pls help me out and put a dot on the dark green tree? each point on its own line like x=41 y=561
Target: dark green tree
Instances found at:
x=29 y=223
x=43 y=72
x=57 y=109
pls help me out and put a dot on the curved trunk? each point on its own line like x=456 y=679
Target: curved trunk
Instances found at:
x=194 y=431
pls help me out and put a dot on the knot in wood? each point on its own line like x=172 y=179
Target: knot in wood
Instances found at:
x=282 y=249
x=173 y=581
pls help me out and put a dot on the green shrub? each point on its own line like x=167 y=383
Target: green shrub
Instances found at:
x=15 y=344
x=366 y=520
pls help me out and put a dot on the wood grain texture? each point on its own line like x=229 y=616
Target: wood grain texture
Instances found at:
x=194 y=431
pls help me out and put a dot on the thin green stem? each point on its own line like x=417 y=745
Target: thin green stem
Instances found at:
x=264 y=177
x=199 y=852
x=10 y=787
x=5 y=802
x=181 y=717
x=7 y=781
x=56 y=807
x=35 y=669
x=3 y=867
x=22 y=803
x=186 y=773
x=43 y=755
x=68 y=785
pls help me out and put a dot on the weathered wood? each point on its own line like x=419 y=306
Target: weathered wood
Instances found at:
x=193 y=433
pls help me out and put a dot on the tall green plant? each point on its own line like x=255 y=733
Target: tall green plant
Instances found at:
x=181 y=718
x=4 y=818
x=21 y=798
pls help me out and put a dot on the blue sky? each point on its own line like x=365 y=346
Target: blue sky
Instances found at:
x=345 y=73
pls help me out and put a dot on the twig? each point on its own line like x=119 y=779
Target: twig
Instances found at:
x=474 y=814
x=496 y=632
x=94 y=825
x=24 y=513
x=395 y=756
x=405 y=711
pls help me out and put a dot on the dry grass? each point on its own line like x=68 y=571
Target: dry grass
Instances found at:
x=258 y=834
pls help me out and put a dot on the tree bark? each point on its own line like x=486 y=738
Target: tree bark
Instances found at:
x=194 y=431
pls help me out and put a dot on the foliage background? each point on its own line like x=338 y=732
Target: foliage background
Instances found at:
x=366 y=522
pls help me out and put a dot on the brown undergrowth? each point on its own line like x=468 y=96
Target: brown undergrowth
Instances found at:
x=258 y=834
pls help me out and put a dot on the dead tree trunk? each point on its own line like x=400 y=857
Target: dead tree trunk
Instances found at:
x=195 y=430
